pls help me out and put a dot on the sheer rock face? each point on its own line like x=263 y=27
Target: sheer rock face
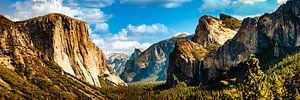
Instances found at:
x=269 y=36
x=118 y=61
x=151 y=64
x=67 y=42
x=185 y=56
x=21 y=62
x=210 y=33
x=211 y=30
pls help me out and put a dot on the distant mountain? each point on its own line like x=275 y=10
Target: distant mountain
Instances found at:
x=27 y=73
x=118 y=61
x=66 y=41
x=270 y=37
x=151 y=64
x=210 y=34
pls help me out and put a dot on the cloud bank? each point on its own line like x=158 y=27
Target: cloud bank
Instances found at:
x=129 y=38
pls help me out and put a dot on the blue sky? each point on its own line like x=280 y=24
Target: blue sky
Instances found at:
x=119 y=26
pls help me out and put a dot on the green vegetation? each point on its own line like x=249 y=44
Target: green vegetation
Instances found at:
x=35 y=78
x=280 y=82
x=230 y=22
x=212 y=47
x=199 y=54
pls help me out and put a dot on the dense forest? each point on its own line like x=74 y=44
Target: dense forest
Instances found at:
x=281 y=81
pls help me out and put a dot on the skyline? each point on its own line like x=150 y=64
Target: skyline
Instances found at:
x=119 y=26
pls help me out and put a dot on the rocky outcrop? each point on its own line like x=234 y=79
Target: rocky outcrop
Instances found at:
x=136 y=53
x=210 y=34
x=185 y=56
x=212 y=30
x=27 y=73
x=118 y=62
x=151 y=65
x=66 y=41
x=269 y=36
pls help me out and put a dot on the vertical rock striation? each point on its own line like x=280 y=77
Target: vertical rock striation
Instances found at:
x=151 y=65
x=210 y=34
x=270 y=36
x=66 y=41
x=185 y=56
x=28 y=73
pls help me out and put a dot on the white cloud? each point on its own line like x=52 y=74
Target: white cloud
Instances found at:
x=118 y=44
x=131 y=37
x=242 y=17
x=163 y=3
x=172 y=5
x=148 y=29
x=101 y=27
x=281 y=1
x=251 y=1
x=90 y=3
x=34 y=8
x=83 y=10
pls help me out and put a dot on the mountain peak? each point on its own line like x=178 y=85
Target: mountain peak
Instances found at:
x=5 y=21
x=270 y=36
x=53 y=17
x=211 y=30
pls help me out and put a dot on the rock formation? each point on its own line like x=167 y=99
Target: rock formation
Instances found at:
x=118 y=62
x=185 y=56
x=151 y=65
x=27 y=72
x=269 y=36
x=210 y=33
x=66 y=41
x=212 y=30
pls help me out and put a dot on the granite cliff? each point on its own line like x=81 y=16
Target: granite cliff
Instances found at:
x=182 y=60
x=151 y=65
x=117 y=61
x=27 y=73
x=269 y=36
x=211 y=30
x=210 y=34
x=66 y=41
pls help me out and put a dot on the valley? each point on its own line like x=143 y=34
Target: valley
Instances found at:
x=58 y=55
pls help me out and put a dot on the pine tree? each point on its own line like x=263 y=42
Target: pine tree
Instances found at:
x=256 y=86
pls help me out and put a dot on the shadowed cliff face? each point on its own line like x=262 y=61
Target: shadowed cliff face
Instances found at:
x=66 y=41
x=269 y=36
x=28 y=73
x=151 y=65
x=185 y=56
x=209 y=35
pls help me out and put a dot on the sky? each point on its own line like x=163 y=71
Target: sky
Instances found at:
x=119 y=26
